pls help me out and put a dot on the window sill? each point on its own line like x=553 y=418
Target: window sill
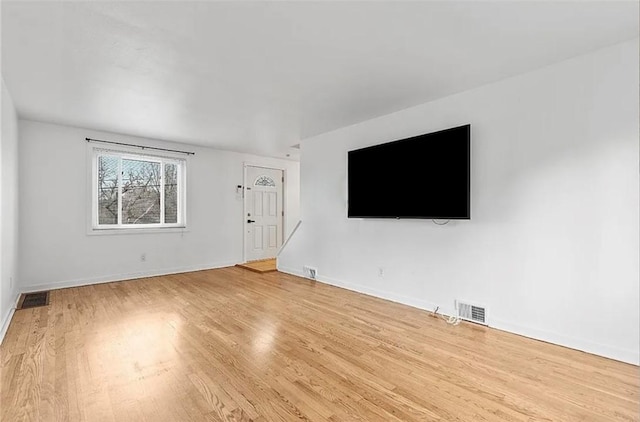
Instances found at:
x=142 y=230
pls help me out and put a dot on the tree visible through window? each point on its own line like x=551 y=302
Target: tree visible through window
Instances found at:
x=170 y=193
x=108 y=190
x=138 y=191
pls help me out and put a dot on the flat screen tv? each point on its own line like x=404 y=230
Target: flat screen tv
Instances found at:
x=426 y=176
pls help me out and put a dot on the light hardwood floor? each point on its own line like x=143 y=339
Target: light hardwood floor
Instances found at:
x=231 y=344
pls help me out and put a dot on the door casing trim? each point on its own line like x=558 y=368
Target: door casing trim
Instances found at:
x=244 y=202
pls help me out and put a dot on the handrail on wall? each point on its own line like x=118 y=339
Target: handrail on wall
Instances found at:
x=289 y=238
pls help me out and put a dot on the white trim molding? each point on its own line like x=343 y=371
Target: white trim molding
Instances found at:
x=124 y=153
x=64 y=284
x=6 y=321
x=246 y=164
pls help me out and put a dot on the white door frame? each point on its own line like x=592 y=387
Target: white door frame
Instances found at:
x=244 y=202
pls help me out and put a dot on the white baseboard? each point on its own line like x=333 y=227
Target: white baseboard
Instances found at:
x=622 y=355
x=405 y=300
x=627 y=356
x=121 y=277
x=4 y=326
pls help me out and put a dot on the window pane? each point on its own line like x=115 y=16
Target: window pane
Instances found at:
x=140 y=192
x=108 y=190
x=264 y=181
x=170 y=193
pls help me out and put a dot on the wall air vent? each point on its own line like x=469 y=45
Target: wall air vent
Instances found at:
x=472 y=312
x=310 y=272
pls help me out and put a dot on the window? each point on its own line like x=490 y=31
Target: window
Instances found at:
x=132 y=191
x=264 y=181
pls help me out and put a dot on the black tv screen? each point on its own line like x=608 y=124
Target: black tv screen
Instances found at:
x=426 y=176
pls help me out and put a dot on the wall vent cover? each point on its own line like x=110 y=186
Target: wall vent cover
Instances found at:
x=310 y=272
x=472 y=312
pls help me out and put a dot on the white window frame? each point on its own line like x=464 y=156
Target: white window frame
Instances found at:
x=181 y=164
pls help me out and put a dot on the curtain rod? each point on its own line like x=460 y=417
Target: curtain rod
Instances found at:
x=139 y=146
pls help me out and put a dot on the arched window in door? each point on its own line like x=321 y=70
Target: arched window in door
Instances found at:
x=264 y=181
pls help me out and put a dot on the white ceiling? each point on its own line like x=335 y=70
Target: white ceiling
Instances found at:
x=258 y=77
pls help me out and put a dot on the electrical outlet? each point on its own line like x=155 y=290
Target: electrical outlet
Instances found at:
x=380 y=272
x=143 y=257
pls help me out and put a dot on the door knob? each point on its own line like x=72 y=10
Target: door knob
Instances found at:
x=251 y=221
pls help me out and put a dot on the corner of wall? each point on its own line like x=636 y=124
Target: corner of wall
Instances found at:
x=9 y=290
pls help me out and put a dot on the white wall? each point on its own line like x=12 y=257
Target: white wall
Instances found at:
x=8 y=210
x=55 y=249
x=552 y=247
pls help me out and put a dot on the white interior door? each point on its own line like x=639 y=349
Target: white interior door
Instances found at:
x=263 y=212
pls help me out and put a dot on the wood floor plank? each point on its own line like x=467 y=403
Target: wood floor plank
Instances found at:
x=236 y=345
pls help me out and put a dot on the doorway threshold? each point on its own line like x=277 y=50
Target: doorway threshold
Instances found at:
x=260 y=266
